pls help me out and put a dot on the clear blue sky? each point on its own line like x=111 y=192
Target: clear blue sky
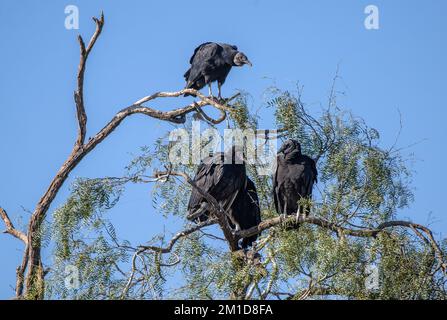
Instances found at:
x=145 y=48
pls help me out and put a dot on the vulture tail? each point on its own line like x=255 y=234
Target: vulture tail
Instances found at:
x=186 y=75
x=188 y=84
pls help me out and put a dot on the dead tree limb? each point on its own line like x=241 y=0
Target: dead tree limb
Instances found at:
x=10 y=227
x=30 y=274
x=168 y=248
x=79 y=93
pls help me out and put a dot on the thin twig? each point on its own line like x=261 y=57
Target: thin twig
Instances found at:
x=10 y=227
x=178 y=236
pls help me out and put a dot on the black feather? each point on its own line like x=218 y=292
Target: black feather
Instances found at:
x=232 y=189
x=210 y=62
x=294 y=178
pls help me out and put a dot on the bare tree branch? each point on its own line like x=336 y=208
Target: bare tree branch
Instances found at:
x=132 y=274
x=79 y=93
x=34 y=268
x=178 y=236
x=267 y=224
x=10 y=227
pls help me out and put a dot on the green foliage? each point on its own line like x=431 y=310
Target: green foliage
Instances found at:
x=361 y=184
x=83 y=239
x=241 y=116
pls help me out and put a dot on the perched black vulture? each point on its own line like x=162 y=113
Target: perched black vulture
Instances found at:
x=245 y=210
x=294 y=178
x=221 y=180
x=212 y=62
x=232 y=189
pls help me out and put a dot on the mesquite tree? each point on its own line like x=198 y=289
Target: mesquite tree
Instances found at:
x=349 y=246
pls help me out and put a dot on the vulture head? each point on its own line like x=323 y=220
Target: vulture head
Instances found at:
x=290 y=149
x=240 y=59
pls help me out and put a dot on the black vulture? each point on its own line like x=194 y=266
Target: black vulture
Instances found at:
x=232 y=189
x=212 y=62
x=294 y=178
x=221 y=180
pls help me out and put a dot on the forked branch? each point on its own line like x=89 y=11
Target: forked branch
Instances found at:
x=10 y=227
x=79 y=93
x=32 y=264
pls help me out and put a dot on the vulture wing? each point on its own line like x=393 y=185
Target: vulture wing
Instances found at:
x=308 y=176
x=221 y=181
x=205 y=58
x=198 y=49
x=276 y=196
x=204 y=181
x=245 y=211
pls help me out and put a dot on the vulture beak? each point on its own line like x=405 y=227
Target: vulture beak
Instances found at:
x=249 y=63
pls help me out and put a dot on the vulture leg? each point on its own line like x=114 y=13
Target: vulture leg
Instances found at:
x=284 y=214
x=210 y=90
x=219 y=86
x=298 y=214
